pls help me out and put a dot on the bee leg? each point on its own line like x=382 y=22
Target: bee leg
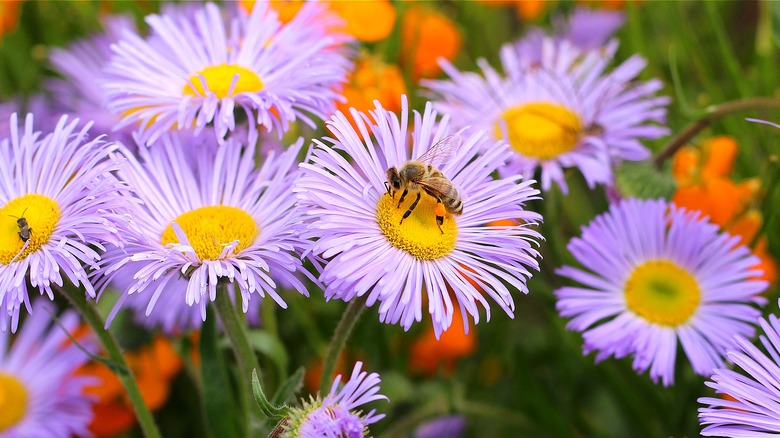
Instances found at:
x=403 y=195
x=387 y=187
x=411 y=207
x=439 y=211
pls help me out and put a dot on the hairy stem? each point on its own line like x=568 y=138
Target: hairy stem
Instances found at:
x=122 y=370
x=339 y=339
x=716 y=112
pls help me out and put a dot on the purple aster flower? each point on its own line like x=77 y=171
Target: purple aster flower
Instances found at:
x=42 y=394
x=753 y=406
x=199 y=68
x=588 y=29
x=655 y=274
x=82 y=67
x=569 y=112
x=337 y=416
x=584 y=29
x=57 y=204
x=450 y=426
x=373 y=250
x=207 y=215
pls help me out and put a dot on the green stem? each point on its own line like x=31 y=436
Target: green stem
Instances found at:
x=716 y=112
x=122 y=370
x=339 y=340
x=239 y=340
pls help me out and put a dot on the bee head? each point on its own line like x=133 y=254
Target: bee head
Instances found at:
x=393 y=179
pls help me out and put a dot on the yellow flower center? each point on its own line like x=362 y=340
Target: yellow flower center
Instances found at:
x=13 y=401
x=210 y=229
x=662 y=292
x=540 y=130
x=418 y=234
x=30 y=217
x=218 y=79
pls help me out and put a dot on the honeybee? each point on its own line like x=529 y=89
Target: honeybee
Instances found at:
x=24 y=227
x=417 y=176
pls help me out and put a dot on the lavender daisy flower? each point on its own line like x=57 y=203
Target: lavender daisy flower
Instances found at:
x=208 y=215
x=82 y=66
x=197 y=69
x=655 y=274
x=752 y=409
x=569 y=112
x=373 y=250
x=336 y=416
x=585 y=29
x=57 y=204
x=42 y=394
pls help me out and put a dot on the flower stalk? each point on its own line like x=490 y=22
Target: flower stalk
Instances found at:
x=120 y=367
x=339 y=340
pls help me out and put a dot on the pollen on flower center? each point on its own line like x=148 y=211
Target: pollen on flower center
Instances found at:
x=540 y=130
x=418 y=234
x=13 y=401
x=30 y=217
x=662 y=292
x=218 y=79
x=210 y=229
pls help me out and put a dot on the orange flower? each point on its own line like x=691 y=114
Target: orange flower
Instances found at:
x=366 y=20
x=153 y=365
x=313 y=374
x=427 y=35
x=607 y=4
x=372 y=80
x=705 y=185
x=9 y=16
x=429 y=354
x=526 y=10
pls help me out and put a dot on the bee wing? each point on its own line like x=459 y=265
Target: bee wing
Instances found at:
x=442 y=151
x=436 y=185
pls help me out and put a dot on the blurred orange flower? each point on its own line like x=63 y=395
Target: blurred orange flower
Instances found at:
x=705 y=184
x=607 y=4
x=372 y=80
x=429 y=354
x=427 y=35
x=9 y=16
x=526 y=10
x=153 y=365
x=366 y=20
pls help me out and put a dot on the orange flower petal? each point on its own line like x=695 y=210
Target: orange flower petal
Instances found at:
x=429 y=354
x=367 y=20
x=685 y=166
x=427 y=35
x=111 y=419
x=720 y=153
x=531 y=9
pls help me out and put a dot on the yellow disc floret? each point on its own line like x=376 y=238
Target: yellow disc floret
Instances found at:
x=418 y=234
x=218 y=79
x=662 y=292
x=30 y=217
x=210 y=229
x=540 y=130
x=13 y=401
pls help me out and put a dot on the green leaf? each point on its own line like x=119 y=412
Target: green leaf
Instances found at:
x=268 y=409
x=289 y=387
x=642 y=180
x=270 y=346
x=219 y=405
